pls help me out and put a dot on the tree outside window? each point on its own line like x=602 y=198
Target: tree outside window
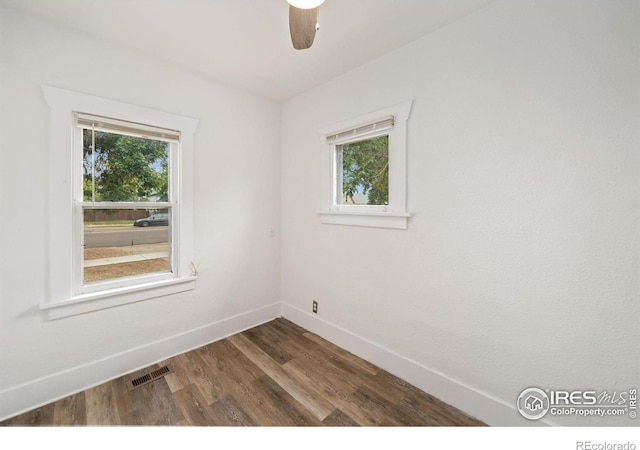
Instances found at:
x=365 y=172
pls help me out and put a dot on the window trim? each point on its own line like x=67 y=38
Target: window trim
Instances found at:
x=62 y=298
x=394 y=215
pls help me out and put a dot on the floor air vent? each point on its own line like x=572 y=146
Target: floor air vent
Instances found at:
x=149 y=377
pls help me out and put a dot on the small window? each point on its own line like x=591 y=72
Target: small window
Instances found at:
x=366 y=176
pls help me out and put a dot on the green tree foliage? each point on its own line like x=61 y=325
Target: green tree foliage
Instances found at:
x=365 y=170
x=126 y=168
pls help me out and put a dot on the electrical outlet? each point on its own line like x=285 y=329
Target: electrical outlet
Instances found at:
x=315 y=307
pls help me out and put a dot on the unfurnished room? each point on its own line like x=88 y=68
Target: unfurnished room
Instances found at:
x=303 y=213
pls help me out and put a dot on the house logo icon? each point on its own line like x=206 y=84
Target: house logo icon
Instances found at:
x=533 y=403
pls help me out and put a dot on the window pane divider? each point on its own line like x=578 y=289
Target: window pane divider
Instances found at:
x=127 y=205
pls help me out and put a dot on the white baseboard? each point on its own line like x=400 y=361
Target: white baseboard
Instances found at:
x=39 y=392
x=478 y=404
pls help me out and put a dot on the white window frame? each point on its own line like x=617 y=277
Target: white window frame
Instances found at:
x=66 y=295
x=395 y=214
x=80 y=205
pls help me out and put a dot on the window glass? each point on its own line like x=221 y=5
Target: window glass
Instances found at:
x=122 y=168
x=363 y=172
x=121 y=243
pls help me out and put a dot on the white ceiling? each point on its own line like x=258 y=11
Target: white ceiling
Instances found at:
x=245 y=43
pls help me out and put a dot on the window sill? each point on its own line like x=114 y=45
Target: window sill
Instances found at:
x=95 y=301
x=393 y=220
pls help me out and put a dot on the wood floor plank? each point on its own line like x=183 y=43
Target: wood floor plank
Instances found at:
x=327 y=363
x=306 y=395
x=389 y=412
x=194 y=407
x=241 y=379
x=270 y=343
x=225 y=360
x=123 y=399
x=358 y=407
x=42 y=416
x=324 y=373
x=227 y=412
x=391 y=392
x=153 y=404
x=339 y=419
x=288 y=324
x=178 y=379
x=237 y=373
x=342 y=399
x=282 y=331
x=329 y=387
x=282 y=406
x=309 y=348
x=101 y=406
x=326 y=360
x=234 y=371
x=258 y=406
x=286 y=329
x=270 y=334
x=192 y=366
x=431 y=410
x=367 y=413
x=70 y=411
x=360 y=363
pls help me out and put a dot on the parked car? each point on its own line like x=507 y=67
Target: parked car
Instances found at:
x=152 y=220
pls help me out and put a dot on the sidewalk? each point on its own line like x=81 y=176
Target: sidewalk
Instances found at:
x=124 y=259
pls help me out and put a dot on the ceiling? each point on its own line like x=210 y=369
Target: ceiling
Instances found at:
x=245 y=43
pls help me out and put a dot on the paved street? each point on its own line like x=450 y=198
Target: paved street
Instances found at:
x=124 y=236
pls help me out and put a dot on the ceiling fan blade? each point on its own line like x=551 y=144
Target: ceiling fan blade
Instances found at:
x=302 y=26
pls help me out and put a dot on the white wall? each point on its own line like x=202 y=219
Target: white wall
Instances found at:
x=237 y=185
x=520 y=266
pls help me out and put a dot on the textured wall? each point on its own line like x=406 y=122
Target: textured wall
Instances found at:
x=520 y=266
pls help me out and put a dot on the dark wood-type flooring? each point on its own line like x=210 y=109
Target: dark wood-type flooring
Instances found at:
x=276 y=374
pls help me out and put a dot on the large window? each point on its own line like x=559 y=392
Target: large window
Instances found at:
x=127 y=202
x=121 y=203
x=365 y=170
